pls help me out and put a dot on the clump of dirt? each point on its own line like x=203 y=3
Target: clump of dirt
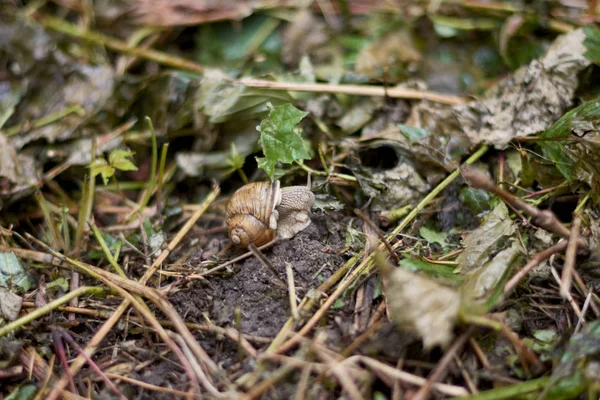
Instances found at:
x=264 y=305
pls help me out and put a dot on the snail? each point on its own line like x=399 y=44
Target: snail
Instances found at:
x=261 y=211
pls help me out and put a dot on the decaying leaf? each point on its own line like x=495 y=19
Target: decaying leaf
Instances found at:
x=486 y=239
x=388 y=172
x=222 y=100
x=19 y=175
x=10 y=305
x=420 y=304
x=87 y=86
x=523 y=104
x=303 y=35
x=578 y=365
x=12 y=274
x=188 y=12
x=387 y=54
x=487 y=279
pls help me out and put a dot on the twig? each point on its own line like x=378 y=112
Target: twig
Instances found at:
x=46 y=120
x=303 y=383
x=570 y=257
x=181 y=234
x=367 y=263
x=586 y=304
x=237 y=259
x=147 y=386
x=569 y=298
x=40 y=312
x=122 y=286
x=291 y=290
x=383 y=240
x=586 y=291
x=117 y=45
x=405 y=377
x=441 y=368
x=536 y=259
x=340 y=372
x=267 y=264
x=59 y=349
x=543 y=218
x=358 y=90
x=65 y=335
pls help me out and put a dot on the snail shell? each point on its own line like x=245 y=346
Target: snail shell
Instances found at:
x=251 y=216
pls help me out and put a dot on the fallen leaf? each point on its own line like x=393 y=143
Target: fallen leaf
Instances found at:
x=486 y=239
x=10 y=305
x=420 y=304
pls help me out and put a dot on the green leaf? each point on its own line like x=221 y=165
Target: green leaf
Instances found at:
x=437 y=270
x=12 y=274
x=235 y=160
x=120 y=159
x=60 y=282
x=24 y=392
x=413 y=134
x=280 y=138
x=478 y=200
x=431 y=235
x=100 y=167
x=592 y=43
x=577 y=118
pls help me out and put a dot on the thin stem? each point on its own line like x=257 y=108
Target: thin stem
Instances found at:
x=40 y=312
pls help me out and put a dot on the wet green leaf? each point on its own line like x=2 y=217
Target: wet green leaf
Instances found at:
x=222 y=46
x=281 y=138
x=61 y=283
x=24 y=392
x=414 y=135
x=223 y=100
x=478 y=200
x=101 y=167
x=592 y=43
x=485 y=283
x=580 y=118
x=435 y=270
x=120 y=159
x=432 y=235
x=12 y=274
x=235 y=160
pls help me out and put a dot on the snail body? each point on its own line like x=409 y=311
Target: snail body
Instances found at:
x=261 y=211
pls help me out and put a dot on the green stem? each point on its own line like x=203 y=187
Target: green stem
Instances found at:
x=39 y=312
x=46 y=120
x=161 y=167
x=152 y=176
x=87 y=200
x=120 y=46
x=106 y=250
x=437 y=191
x=509 y=392
x=322 y=173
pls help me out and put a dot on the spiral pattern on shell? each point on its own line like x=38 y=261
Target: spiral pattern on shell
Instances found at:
x=250 y=214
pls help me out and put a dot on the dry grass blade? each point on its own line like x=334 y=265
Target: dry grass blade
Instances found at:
x=357 y=90
x=570 y=258
x=391 y=373
x=535 y=260
x=441 y=369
